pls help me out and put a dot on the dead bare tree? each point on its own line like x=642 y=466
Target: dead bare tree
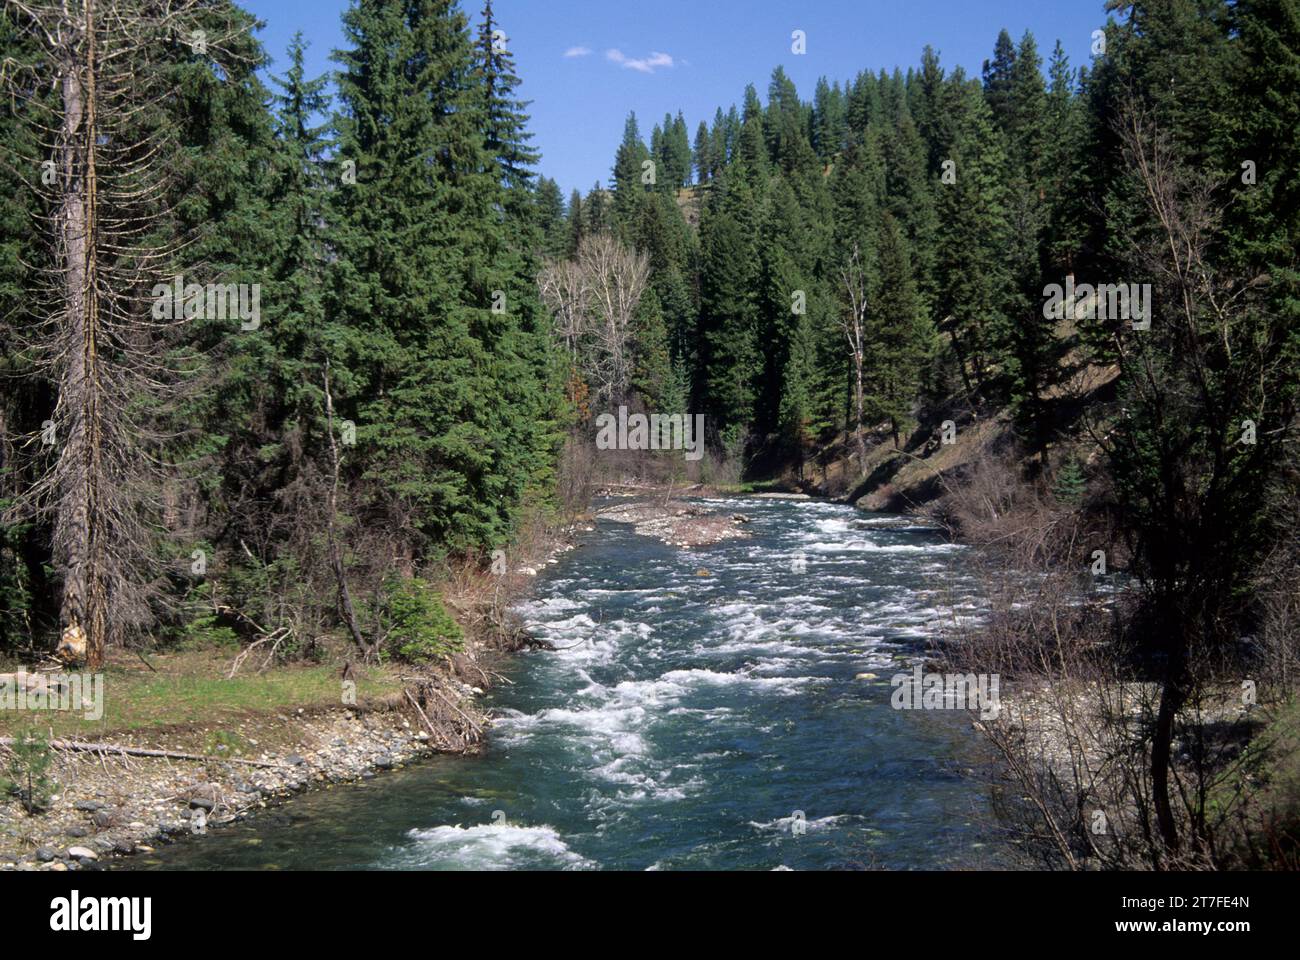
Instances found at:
x=853 y=323
x=594 y=301
x=103 y=176
x=336 y=550
x=565 y=292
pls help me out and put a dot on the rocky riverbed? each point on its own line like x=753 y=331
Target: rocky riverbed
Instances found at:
x=679 y=524
x=114 y=805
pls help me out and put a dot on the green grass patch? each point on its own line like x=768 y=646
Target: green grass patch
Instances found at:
x=190 y=689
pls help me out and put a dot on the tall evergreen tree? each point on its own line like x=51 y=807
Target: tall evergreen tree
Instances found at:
x=901 y=335
x=433 y=366
x=551 y=217
x=630 y=165
x=999 y=77
x=973 y=279
x=703 y=157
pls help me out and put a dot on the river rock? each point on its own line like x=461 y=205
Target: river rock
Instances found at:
x=46 y=854
x=82 y=853
x=205 y=796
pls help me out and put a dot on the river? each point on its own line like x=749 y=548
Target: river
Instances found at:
x=704 y=709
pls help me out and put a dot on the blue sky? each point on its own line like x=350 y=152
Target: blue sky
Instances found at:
x=658 y=56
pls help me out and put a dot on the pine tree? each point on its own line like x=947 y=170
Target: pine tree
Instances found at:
x=23 y=551
x=703 y=154
x=999 y=75
x=437 y=380
x=973 y=281
x=829 y=120
x=730 y=357
x=933 y=119
x=1064 y=166
x=551 y=217
x=676 y=159
x=751 y=148
x=783 y=310
x=651 y=377
x=722 y=141
x=505 y=123
x=576 y=225
x=1034 y=348
x=901 y=336
x=598 y=210
x=863 y=104
x=662 y=234
x=630 y=165
x=910 y=199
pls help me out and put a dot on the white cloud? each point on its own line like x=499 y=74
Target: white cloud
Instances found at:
x=577 y=52
x=642 y=65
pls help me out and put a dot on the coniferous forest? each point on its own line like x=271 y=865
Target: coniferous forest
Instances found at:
x=302 y=369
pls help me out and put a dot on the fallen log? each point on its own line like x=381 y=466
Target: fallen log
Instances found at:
x=478 y=731
x=73 y=746
x=430 y=684
x=423 y=716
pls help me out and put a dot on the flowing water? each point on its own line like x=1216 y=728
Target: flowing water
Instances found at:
x=686 y=721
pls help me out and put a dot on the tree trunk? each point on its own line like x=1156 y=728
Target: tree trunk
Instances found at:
x=85 y=594
x=857 y=406
x=1172 y=697
x=336 y=551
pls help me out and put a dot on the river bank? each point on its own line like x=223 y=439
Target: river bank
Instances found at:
x=258 y=739
x=111 y=805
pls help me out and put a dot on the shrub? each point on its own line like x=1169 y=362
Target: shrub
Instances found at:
x=416 y=626
x=26 y=773
x=1071 y=484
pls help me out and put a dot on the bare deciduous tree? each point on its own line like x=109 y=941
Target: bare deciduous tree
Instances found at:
x=593 y=300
